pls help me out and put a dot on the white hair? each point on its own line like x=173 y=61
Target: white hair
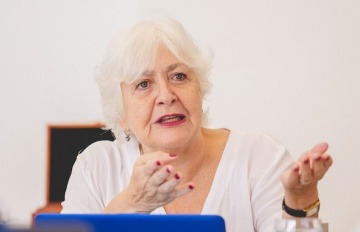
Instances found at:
x=133 y=52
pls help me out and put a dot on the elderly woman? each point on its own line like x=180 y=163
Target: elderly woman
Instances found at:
x=164 y=161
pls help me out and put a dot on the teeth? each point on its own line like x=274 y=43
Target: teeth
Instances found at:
x=171 y=119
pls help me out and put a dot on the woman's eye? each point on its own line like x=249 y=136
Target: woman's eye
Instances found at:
x=180 y=76
x=143 y=85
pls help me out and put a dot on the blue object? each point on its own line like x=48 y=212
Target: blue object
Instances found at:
x=130 y=222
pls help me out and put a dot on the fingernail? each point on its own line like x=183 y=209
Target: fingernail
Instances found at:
x=168 y=170
x=172 y=154
x=318 y=158
x=306 y=161
x=177 y=176
x=191 y=186
x=296 y=169
x=158 y=163
x=327 y=158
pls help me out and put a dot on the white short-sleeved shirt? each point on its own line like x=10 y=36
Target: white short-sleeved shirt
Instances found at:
x=246 y=191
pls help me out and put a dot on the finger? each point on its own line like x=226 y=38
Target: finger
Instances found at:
x=151 y=166
x=325 y=161
x=159 y=177
x=184 y=189
x=316 y=160
x=169 y=185
x=159 y=155
x=328 y=161
x=320 y=148
x=318 y=167
x=316 y=152
x=306 y=176
x=307 y=163
x=152 y=161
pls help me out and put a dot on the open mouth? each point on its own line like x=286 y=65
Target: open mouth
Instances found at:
x=174 y=118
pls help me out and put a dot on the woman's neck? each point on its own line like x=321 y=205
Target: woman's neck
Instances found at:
x=192 y=157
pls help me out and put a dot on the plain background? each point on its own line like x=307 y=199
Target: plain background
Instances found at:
x=288 y=68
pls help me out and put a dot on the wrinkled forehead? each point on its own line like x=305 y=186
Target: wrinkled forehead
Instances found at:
x=145 y=64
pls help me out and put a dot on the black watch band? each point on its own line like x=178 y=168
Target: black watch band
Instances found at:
x=308 y=212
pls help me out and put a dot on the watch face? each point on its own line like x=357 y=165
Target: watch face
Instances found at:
x=312 y=211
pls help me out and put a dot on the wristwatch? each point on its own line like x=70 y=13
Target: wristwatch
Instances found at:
x=307 y=212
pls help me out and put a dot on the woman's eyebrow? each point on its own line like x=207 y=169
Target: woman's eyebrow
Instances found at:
x=147 y=73
x=173 y=66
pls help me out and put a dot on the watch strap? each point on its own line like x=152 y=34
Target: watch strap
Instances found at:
x=307 y=212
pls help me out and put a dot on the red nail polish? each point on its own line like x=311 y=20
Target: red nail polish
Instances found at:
x=296 y=169
x=158 y=163
x=318 y=158
x=172 y=154
x=191 y=186
x=177 y=176
x=168 y=170
x=306 y=161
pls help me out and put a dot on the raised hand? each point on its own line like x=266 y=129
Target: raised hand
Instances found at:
x=154 y=183
x=300 y=181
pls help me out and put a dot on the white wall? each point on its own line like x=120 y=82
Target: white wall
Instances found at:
x=49 y=50
x=289 y=68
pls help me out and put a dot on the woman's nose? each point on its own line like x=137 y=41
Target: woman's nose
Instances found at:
x=166 y=94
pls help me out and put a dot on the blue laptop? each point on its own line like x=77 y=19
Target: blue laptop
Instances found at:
x=129 y=222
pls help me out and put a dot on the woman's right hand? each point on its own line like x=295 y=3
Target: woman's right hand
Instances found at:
x=154 y=183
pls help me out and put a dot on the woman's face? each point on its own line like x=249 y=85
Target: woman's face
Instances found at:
x=163 y=108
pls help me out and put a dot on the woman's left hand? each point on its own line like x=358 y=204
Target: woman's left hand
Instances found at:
x=300 y=181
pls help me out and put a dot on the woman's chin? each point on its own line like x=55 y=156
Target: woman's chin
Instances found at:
x=168 y=145
x=171 y=142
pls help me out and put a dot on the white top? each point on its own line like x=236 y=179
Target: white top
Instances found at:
x=246 y=191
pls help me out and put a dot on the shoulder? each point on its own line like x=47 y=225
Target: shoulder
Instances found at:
x=100 y=153
x=257 y=148
x=256 y=140
x=101 y=146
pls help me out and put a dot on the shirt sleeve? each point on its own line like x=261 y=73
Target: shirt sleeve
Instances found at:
x=271 y=159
